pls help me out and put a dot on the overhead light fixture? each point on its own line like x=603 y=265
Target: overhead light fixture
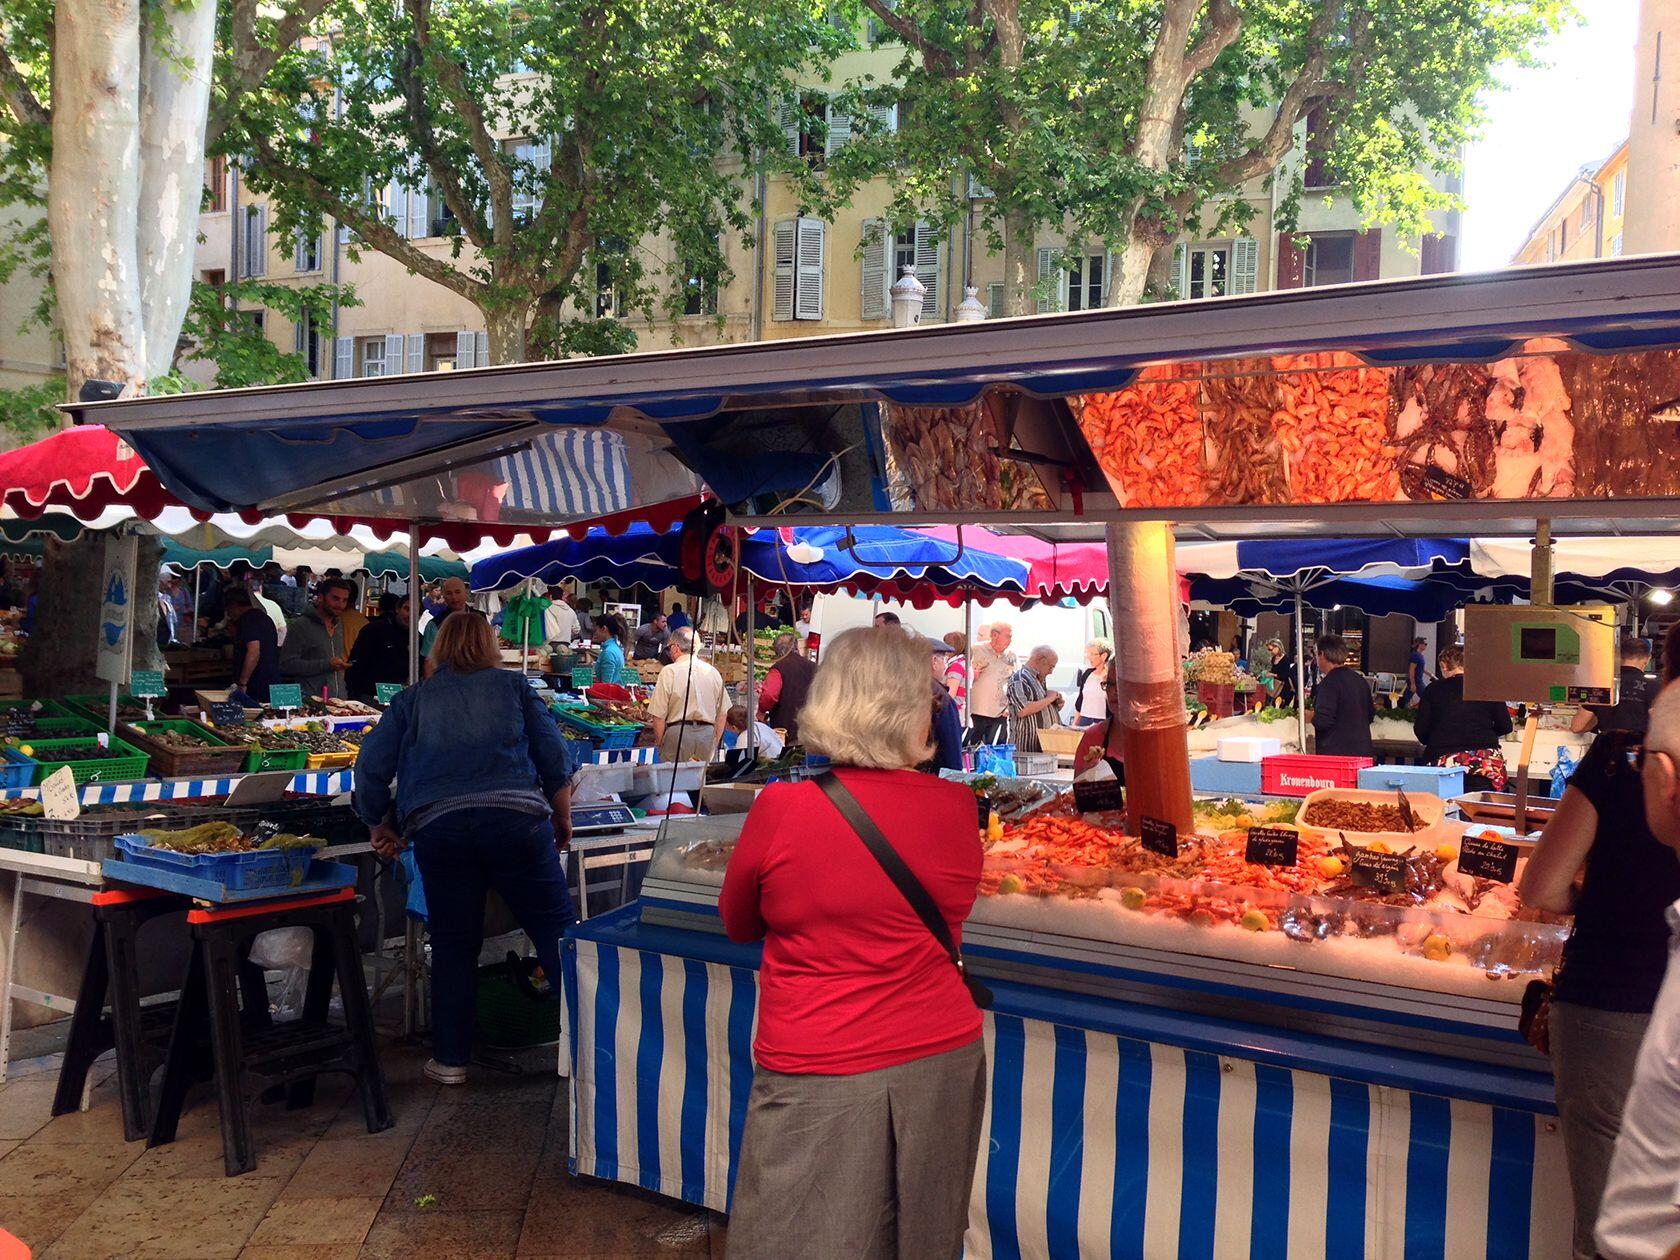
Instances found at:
x=1661 y=598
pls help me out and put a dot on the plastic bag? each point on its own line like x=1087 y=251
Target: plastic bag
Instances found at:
x=998 y=759
x=1561 y=772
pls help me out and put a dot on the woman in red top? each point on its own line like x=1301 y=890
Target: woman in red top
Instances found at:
x=864 y=1124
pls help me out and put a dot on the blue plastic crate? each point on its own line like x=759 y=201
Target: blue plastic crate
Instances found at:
x=1231 y=778
x=1443 y=781
x=261 y=868
x=16 y=770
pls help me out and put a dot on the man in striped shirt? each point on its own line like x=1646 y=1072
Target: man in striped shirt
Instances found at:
x=1032 y=705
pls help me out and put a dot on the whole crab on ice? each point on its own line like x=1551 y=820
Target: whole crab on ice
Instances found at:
x=1529 y=407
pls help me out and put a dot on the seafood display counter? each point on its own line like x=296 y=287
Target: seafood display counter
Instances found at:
x=1303 y=1012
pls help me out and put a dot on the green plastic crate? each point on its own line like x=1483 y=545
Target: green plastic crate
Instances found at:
x=54 y=753
x=66 y=727
x=98 y=705
x=264 y=759
x=49 y=708
x=511 y=1014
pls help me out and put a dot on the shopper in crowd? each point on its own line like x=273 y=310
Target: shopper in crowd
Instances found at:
x=990 y=663
x=956 y=668
x=560 y=619
x=652 y=640
x=1032 y=705
x=785 y=688
x=1633 y=699
x=1260 y=658
x=689 y=704
x=483 y=794
x=1459 y=732
x=1639 y=1213
x=802 y=622
x=1417 y=674
x=1342 y=705
x=1599 y=860
x=677 y=617
x=314 y=656
x=256 y=647
x=355 y=620
x=863 y=1126
x=166 y=625
x=1090 y=704
x=381 y=653
x=610 y=634
x=766 y=743
x=455 y=600
x=887 y=619
x=947 y=716
x=584 y=607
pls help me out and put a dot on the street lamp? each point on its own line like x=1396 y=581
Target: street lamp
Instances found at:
x=908 y=295
x=971 y=310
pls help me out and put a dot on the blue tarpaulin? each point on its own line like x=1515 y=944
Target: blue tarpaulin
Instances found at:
x=810 y=557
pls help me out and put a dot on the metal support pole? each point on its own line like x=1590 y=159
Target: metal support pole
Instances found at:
x=415 y=605
x=1540 y=564
x=1300 y=669
x=198 y=584
x=968 y=655
x=752 y=679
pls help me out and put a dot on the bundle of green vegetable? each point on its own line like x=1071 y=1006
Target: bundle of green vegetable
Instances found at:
x=224 y=837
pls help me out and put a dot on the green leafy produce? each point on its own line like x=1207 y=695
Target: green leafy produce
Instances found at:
x=1273 y=713
x=224 y=837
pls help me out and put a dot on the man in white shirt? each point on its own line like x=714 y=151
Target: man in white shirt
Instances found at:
x=689 y=704
x=560 y=621
x=1639 y=1217
x=990 y=663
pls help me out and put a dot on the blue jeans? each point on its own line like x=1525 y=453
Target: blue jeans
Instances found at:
x=461 y=855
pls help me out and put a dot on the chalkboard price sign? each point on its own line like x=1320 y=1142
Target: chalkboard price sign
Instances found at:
x=227 y=713
x=983 y=806
x=1272 y=846
x=146 y=683
x=1488 y=858
x=1385 y=872
x=384 y=693
x=1099 y=796
x=286 y=695
x=1158 y=836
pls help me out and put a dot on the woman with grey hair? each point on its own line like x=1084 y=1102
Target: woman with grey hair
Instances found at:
x=863 y=1126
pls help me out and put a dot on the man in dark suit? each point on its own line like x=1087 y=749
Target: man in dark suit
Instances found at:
x=1342 y=705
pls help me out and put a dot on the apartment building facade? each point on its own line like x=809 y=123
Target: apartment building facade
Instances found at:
x=1653 y=219
x=797 y=275
x=1587 y=220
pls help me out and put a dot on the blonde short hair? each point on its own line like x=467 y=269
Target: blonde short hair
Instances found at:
x=1103 y=645
x=466 y=643
x=869 y=703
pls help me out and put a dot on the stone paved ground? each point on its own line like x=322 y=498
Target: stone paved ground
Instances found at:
x=489 y=1161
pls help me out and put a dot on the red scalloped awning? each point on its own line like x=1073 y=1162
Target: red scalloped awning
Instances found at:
x=86 y=470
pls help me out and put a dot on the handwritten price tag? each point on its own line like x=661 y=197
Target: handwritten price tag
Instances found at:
x=384 y=693
x=146 y=683
x=1272 y=846
x=1488 y=858
x=61 y=800
x=1158 y=836
x=286 y=695
x=1385 y=872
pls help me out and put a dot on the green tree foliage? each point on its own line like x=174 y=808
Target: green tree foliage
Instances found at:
x=555 y=144
x=1128 y=122
x=229 y=339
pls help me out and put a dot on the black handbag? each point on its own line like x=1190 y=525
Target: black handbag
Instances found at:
x=921 y=901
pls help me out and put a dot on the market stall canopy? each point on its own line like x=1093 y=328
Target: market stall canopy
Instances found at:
x=377 y=563
x=92 y=475
x=1057 y=571
x=1462 y=404
x=869 y=559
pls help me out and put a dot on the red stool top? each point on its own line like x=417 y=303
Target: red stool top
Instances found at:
x=126 y=897
x=248 y=909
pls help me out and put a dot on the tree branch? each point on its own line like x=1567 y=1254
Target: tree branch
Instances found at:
x=368 y=225
x=445 y=178
x=15 y=92
x=572 y=235
x=1163 y=85
x=253 y=60
x=453 y=81
x=1224 y=24
x=932 y=55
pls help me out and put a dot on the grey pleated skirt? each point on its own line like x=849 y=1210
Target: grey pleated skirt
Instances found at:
x=877 y=1166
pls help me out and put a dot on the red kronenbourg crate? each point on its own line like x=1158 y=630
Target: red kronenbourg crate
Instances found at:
x=1297 y=774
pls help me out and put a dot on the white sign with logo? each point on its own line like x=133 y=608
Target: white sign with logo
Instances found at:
x=116 y=610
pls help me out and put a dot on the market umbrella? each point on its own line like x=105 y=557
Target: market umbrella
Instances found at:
x=1057 y=571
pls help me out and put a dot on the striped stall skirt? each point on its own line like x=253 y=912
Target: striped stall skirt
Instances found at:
x=1095 y=1145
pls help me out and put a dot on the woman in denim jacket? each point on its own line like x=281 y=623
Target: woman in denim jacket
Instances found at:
x=483 y=793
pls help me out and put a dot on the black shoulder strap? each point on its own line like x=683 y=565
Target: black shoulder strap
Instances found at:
x=921 y=901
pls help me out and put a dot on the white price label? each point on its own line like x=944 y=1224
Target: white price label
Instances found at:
x=61 y=799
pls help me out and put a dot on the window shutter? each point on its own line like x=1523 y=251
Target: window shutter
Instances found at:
x=1367 y=255
x=927 y=271
x=416 y=352
x=875 y=301
x=464 y=349
x=300 y=253
x=343 y=235
x=839 y=131
x=419 y=213
x=787 y=116
x=396 y=206
x=481 y=349
x=1047 y=301
x=1101 y=299
x=259 y=252
x=393 y=354
x=1181 y=271
x=1291 y=262
x=344 y=358
x=885 y=118
x=808 y=292
x=1245 y=265
x=994 y=299
x=783 y=252
x=542 y=153
x=300 y=332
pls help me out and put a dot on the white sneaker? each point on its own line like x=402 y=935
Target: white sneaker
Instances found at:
x=445 y=1073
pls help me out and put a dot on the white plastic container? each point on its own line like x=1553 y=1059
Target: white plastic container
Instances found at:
x=1248 y=747
x=1431 y=810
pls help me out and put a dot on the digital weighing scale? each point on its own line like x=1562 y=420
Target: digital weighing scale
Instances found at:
x=601 y=818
